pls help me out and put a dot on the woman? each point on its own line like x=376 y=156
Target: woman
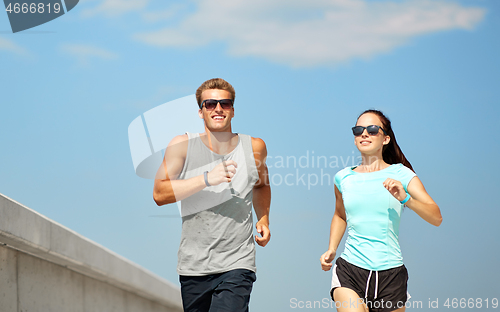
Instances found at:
x=369 y=275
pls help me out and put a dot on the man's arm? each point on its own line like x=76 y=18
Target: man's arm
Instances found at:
x=261 y=193
x=168 y=189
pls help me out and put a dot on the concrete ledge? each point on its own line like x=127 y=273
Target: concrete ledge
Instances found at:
x=31 y=233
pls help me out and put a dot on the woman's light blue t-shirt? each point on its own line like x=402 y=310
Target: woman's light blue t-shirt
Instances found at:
x=373 y=216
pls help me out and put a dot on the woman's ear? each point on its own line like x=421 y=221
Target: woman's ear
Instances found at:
x=387 y=139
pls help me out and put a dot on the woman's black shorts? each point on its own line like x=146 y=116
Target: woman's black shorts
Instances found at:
x=382 y=291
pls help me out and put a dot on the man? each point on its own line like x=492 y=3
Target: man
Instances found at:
x=216 y=175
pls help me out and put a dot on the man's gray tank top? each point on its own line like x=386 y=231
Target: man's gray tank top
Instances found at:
x=217 y=223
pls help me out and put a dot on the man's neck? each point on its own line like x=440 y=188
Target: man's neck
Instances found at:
x=220 y=142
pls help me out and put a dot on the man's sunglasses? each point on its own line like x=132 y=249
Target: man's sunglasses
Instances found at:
x=211 y=104
x=372 y=130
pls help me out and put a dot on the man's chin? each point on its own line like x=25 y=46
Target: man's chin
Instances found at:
x=219 y=128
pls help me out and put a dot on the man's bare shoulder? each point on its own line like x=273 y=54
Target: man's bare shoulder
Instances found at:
x=258 y=145
x=179 y=139
x=178 y=146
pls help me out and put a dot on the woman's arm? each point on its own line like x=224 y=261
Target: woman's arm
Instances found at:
x=420 y=202
x=337 y=230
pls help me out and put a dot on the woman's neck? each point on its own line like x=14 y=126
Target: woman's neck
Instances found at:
x=372 y=163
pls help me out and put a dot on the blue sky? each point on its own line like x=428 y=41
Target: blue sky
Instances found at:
x=303 y=71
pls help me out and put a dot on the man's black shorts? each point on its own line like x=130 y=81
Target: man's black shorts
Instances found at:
x=223 y=292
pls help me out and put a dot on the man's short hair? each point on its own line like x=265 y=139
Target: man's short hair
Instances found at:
x=215 y=83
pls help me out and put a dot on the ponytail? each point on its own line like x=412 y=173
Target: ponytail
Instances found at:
x=391 y=153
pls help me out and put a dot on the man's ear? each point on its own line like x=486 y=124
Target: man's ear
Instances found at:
x=200 y=113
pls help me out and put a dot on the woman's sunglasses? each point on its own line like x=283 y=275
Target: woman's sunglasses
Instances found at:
x=211 y=104
x=372 y=130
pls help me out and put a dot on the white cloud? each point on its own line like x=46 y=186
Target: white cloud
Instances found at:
x=312 y=32
x=113 y=8
x=84 y=53
x=10 y=46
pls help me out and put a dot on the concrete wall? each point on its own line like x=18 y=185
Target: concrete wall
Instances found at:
x=47 y=267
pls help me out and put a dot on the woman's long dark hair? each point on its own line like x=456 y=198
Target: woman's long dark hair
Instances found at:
x=391 y=153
